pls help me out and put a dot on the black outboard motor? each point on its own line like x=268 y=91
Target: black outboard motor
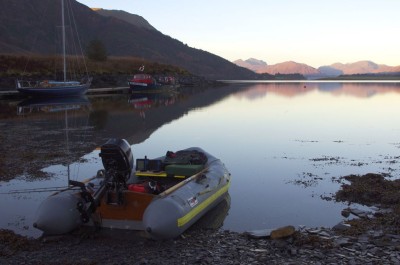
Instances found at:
x=117 y=158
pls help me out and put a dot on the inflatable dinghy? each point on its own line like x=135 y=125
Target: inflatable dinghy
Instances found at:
x=162 y=196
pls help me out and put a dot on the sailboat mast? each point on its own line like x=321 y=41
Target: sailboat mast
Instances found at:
x=63 y=40
x=66 y=134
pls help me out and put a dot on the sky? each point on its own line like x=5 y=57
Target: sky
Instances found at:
x=314 y=32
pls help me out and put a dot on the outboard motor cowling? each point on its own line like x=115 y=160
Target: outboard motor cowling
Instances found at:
x=117 y=157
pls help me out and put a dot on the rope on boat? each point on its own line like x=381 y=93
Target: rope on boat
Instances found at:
x=48 y=189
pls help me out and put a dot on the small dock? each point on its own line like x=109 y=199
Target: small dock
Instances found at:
x=108 y=90
x=91 y=91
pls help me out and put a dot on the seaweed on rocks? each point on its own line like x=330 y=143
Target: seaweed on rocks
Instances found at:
x=11 y=243
x=370 y=189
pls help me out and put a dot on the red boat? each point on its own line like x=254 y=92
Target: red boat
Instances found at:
x=143 y=82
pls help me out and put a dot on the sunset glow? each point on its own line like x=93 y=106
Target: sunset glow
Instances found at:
x=313 y=32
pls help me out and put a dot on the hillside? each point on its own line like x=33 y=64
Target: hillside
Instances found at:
x=125 y=16
x=32 y=26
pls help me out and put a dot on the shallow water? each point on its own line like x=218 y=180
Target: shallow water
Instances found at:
x=285 y=145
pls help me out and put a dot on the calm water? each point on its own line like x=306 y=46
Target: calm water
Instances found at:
x=285 y=144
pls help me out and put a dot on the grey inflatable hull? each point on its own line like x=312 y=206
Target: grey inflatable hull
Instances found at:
x=58 y=214
x=169 y=216
x=162 y=215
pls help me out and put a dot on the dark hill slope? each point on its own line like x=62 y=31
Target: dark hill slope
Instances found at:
x=125 y=16
x=32 y=25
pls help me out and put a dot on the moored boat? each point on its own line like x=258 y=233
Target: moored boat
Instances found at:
x=51 y=88
x=57 y=88
x=162 y=196
x=142 y=81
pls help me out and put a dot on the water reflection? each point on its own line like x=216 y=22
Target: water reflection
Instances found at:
x=361 y=90
x=285 y=144
x=142 y=102
x=41 y=124
x=214 y=219
x=32 y=105
x=44 y=132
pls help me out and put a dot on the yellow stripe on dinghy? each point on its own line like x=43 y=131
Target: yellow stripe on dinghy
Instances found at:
x=190 y=215
x=161 y=174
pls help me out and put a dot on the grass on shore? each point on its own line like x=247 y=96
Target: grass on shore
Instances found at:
x=38 y=65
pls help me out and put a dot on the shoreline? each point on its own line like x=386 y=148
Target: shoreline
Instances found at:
x=365 y=237
x=201 y=246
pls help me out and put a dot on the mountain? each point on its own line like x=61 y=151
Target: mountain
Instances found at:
x=252 y=64
x=363 y=67
x=333 y=70
x=289 y=67
x=33 y=25
x=329 y=71
x=125 y=16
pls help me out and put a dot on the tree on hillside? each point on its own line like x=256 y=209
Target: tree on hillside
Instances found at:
x=96 y=51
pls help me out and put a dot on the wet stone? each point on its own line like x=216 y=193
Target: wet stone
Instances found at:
x=341 y=227
x=376 y=233
x=363 y=239
x=263 y=233
x=283 y=232
x=359 y=213
x=342 y=242
x=293 y=251
x=346 y=212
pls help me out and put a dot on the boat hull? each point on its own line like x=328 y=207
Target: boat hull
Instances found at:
x=164 y=215
x=177 y=216
x=143 y=82
x=137 y=86
x=168 y=216
x=56 y=91
x=58 y=214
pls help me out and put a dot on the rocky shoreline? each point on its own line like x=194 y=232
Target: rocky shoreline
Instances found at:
x=371 y=237
x=305 y=246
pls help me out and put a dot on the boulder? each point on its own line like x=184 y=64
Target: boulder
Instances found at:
x=283 y=232
x=341 y=227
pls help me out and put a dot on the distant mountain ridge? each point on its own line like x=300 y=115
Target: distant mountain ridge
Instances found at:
x=333 y=70
x=252 y=64
x=363 y=67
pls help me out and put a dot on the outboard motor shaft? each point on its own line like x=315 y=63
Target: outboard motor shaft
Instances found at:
x=117 y=158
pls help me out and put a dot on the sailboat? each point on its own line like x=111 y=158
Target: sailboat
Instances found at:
x=53 y=88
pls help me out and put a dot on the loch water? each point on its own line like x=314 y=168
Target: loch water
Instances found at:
x=286 y=144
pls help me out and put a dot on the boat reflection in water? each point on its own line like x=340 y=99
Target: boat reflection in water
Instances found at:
x=56 y=104
x=214 y=219
x=145 y=101
x=67 y=118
